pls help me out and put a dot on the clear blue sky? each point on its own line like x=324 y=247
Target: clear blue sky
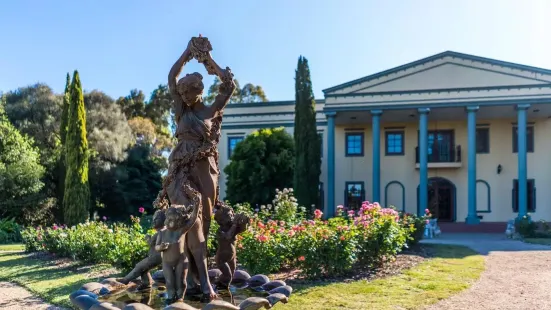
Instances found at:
x=124 y=44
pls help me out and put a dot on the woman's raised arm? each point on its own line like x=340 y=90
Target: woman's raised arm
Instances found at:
x=227 y=87
x=173 y=81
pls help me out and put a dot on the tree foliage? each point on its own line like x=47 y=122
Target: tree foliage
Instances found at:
x=35 y=111
x=307 y=142
x=158 y=108
x=246 y=94
x=65 y=110
x=20 y=175
x=132 y=184
x=108 y=132
x=133 y=105
x=260 y=164
x=76 y=198
x=143 y=129
x=61 y=164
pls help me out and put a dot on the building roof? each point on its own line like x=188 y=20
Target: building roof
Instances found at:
x=436 y=57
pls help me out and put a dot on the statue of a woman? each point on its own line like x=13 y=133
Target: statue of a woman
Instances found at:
x=193 y=163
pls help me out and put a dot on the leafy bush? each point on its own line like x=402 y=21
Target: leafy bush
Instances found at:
x=284 y=208
x=259 y=164
x=9 y=231
x=415 y=225
x=323 y=248
x=526 y=227
x=92 y=242
x=277 y=238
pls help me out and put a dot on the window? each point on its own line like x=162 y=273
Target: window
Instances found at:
x=483 y=140
x=441 y=147
x=531 y=197
x=320 y=135
x=355 y=144
x=529 y=139
x=394 y=142
x=354 y=195
x=232 y=142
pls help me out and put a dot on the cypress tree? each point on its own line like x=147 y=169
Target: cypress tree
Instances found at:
x=65 y=111
x=307 y=141
x=76 y=198
x=63 y=133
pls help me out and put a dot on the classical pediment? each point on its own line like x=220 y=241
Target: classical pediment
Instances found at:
x=448 y=71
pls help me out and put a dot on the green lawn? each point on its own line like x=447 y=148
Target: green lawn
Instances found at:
x=12 y=247
x=49 y=281
x=453 y=270
x=543 y=241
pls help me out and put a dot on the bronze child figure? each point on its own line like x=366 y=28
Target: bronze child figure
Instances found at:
x=153 y=258
x=230 y=226
x=171 y=244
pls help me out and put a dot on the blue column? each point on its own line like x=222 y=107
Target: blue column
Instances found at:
x=376 y=168
x=423 y=160
x=522 y=161
x=330 y=205
x=472 y=217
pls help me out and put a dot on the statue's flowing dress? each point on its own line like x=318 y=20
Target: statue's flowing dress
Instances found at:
x=193 y=161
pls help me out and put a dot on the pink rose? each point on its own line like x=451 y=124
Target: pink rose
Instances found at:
x=141 y=210
x=318 y=214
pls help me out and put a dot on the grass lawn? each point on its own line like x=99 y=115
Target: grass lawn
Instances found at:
x=12 y=247
x=543 y=241
x=452 y=270
x=48 y=281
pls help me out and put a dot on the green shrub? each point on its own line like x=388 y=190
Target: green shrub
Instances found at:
x=92 y=242
x=319 y=248
x=415 y=225
x=9 y=231
x=526 y=227
x=323 y=248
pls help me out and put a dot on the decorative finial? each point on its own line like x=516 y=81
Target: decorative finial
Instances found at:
x=200 y=36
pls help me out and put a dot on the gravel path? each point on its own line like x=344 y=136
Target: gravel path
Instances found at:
x=14 y=297
x=517 y=275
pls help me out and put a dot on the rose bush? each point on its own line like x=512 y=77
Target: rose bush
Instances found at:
x=279 y=237
x=415 y=225
x=367 y=237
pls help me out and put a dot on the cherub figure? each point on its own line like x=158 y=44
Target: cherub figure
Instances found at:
x=153 y=258
x=230 y=226
x=171 y=244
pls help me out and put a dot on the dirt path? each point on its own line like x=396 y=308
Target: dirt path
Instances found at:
x=14 y=297
x=517 y=275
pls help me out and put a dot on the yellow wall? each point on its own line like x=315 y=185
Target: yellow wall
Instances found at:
x=402 y=168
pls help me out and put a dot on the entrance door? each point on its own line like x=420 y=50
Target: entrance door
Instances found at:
x=441 y=199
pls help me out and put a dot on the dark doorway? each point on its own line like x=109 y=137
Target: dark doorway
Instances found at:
x=441 y=199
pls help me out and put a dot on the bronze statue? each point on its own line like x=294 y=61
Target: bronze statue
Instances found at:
x=192 y=180
x=230 y=226
x=153 y=258
x=171 y=243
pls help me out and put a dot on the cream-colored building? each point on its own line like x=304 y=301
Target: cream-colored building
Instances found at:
x=485 y=126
